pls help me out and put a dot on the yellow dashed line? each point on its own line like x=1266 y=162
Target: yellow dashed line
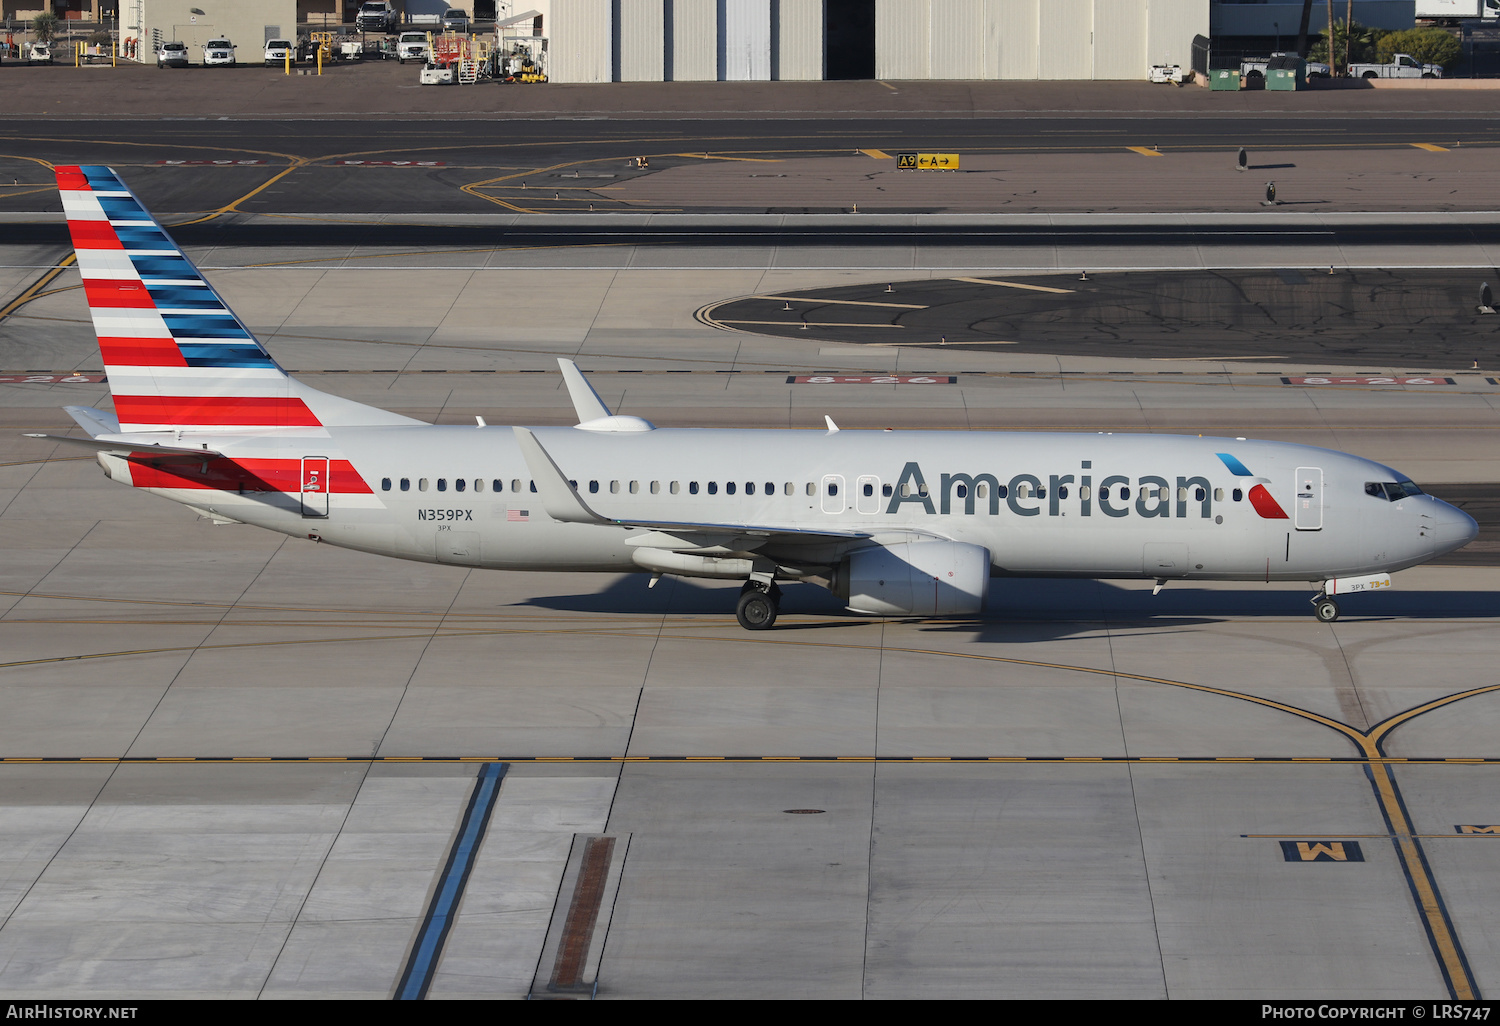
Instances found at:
x=877 y=154
x=1144 y=151
x=1431 y=147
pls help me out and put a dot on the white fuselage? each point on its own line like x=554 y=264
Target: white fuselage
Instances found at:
x=1084 y=505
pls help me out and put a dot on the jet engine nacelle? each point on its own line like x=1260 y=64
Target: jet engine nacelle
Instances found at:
x=930 y=578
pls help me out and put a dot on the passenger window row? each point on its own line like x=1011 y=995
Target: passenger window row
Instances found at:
x=1389 y=490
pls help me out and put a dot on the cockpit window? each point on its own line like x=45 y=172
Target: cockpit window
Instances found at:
x=1392 y=491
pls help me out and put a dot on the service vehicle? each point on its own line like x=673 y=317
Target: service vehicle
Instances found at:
x=378 y=16
x=1162 y=73
x=895 y=523
x=456 y=20
x=277 y=51
x=39 y=53
x=412 y=46
x=173 y=55
x=1403 y=66
x=218 y=53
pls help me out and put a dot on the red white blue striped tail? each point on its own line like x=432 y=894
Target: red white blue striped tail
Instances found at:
x=176 y=355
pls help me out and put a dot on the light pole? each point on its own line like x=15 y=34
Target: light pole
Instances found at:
x=1277 y=26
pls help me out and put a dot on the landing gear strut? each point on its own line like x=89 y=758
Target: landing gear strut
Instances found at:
x=758 y=606
x=1325 y=609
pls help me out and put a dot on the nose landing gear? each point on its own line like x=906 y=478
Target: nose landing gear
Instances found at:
x=759 y=603
x=1325 y=609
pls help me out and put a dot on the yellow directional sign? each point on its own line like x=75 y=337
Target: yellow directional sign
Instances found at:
x=937 y=161
x=927 y=162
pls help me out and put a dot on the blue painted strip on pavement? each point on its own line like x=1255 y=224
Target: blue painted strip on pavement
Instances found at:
x=428 y=950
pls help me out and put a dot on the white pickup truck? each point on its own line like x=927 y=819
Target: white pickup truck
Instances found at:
x=1404 y=66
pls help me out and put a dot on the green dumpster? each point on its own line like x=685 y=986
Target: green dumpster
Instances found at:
x=1224 y=79
x=1286 y=72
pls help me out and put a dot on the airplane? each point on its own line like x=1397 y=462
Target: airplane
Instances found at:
x=895 y=523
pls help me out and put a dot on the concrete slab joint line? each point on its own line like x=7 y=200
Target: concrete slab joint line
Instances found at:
x=569 y=964
x=442 y=910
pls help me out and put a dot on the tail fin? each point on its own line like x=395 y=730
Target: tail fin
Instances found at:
x=176 y=355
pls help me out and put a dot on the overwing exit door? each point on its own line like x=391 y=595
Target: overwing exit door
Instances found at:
x=315 y=485
x=1309 y=513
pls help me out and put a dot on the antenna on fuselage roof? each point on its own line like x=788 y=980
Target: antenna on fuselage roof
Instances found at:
x=586 y=401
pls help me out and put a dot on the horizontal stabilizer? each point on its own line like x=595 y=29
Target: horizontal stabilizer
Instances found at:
x=95 y=422
x=127 y=447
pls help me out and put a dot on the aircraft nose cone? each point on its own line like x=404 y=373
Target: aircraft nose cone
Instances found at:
x=1455 y=528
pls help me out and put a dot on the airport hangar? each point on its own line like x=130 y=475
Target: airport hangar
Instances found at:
x=809 y=40
x=235 y=765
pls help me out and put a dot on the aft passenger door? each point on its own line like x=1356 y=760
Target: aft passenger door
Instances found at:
x=315 y=486
x=1308 y=516
x=867 y=495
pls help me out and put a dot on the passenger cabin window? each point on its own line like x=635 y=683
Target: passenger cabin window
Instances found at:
x=614 y=488
x=812 y=489
x=385 y=484
x=655 y=487
x=531 y=485
x=421 y=484
x=459 y=484
x=886 y=490
x=1199 y=494
x=442 y=484
x=675 y=488
x=749 y=487
x=1062 y=491
x=1237 y=495
x=789 y=489
x=515 y=484
x=406 y=484
x=635 y=487
x=593 y=486
x=497 y=485
x=833 y=489
x=728 y=487
x=1218 y=495
x=692 y=487
x=713 y=488
x=479 y=484
x=869 y=489
x=962 y=491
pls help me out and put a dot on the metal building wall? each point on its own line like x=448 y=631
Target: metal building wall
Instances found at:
x=643 y=34
x=1065 y=39
x=1017 y=25
x=581 y=43
x=903 y=38
x=1171 y=26
x=242 y=24
x=1120 y=39
x=958 y=39
x=799 y=40
x=695 y=40
x=745 y=40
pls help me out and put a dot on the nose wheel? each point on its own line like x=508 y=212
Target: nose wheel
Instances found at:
x=1325 y=609
x=757 y=608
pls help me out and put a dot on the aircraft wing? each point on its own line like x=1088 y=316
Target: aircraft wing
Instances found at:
x=562 y=502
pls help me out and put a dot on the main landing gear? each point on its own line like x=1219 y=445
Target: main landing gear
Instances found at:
x=1325 y=608
x=758 y=606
